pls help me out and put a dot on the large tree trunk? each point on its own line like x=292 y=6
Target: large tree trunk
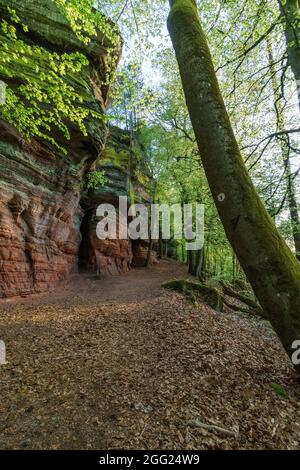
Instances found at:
x=290 y=11
x=269 y=264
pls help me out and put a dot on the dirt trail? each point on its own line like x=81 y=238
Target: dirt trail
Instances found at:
x=122 y=363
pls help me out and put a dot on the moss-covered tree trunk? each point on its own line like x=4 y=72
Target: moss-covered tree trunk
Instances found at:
x=290 y=12
x=269 y=264
x=195 y=262
x=200 y=264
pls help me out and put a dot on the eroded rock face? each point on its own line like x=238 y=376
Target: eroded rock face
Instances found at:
x=40 y=189
x=109 y=257
x=39 y=217
x=44 y=230
x=123 y=161
x=140 y=253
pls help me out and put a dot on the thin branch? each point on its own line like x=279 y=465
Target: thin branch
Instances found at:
x=253 y=46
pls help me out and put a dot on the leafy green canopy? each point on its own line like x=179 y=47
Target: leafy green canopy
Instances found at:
x=44 y=100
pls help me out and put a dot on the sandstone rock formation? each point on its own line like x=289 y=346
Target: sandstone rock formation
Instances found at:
x=126 y=175
x=43 y=226
x=40 y=189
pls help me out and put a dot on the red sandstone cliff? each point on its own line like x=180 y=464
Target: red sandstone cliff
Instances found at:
x=43 y=227
x=40 y=188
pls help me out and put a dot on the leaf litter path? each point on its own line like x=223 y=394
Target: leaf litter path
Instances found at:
x=122 y=363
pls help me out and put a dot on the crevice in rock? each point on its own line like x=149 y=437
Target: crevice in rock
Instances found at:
x=30 y=262
x=85 y=248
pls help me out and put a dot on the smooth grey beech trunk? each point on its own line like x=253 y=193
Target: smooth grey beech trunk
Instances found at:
x=269 y=264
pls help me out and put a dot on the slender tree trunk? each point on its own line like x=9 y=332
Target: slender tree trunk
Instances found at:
x=182 y=251
x=290 y=11
x=200 y=264
x=270 y=266
x=149 y=252
x=195 y=262
x=191 y=261
x=203 y=267
x=166 y=248
x=285 y=151
x=207 y=259
x=160 y=241
x=150 y=246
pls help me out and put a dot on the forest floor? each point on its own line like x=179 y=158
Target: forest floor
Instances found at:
x=123 y=363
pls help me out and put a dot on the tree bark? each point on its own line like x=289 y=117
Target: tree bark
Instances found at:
x=269 y=264
x=200 y=264
x=191 y=262
x=149 y=252
x=160 y=242
x=228 y=290
x=290 y=11
x=166 y=248
x=150 y=245
x=195 y=262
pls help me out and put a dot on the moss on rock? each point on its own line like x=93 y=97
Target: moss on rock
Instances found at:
x=196 y=291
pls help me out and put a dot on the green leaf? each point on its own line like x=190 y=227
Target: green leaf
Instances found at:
x=279 y=390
